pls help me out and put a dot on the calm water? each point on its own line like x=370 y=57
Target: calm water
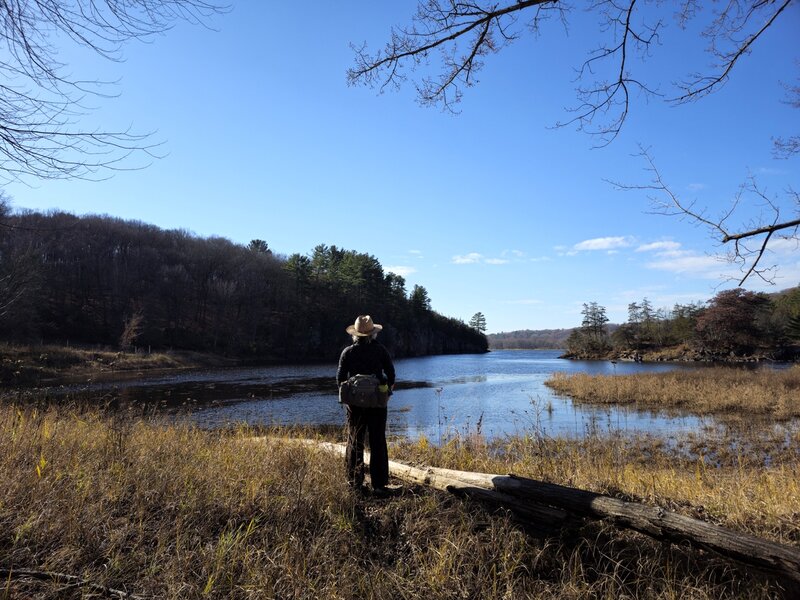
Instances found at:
x=501 y=392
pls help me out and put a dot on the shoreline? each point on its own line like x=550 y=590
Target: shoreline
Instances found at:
x=26 y=365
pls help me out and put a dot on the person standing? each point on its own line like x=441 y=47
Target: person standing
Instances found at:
x=365 y=356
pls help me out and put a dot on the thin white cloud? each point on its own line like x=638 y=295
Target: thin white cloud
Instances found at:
x=696 y=187
x=467 y=259
x=780 y=263
x=784 y=246
x=659 y=247
x=770 y=171
x=401 y=270
x=697 y=265
x=416 y=253
x=514 y=253
x=474 y=258
x=603 y=243
x=540 y=259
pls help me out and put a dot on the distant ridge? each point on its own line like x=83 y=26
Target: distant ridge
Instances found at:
x=535 y=339
x=528 y=339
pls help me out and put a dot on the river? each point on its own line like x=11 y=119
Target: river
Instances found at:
x=497 y=393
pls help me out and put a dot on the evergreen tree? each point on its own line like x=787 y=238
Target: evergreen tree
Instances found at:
x=594 y=327
x=478 y=322
x=420 y=302
x=259 y=246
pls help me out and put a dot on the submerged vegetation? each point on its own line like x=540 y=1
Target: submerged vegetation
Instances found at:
x=171 y=511
x=718 y=390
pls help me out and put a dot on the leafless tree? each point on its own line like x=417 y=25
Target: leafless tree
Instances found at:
x=41 y=105
x=464 y=33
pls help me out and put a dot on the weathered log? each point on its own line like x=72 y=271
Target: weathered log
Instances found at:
x=537 y=498
x=657 y=522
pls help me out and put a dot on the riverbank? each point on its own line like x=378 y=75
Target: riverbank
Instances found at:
x=717 y=391
x=32 y=365
x=685 y=353
x=175 y=511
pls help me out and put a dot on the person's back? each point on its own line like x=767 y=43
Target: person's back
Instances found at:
x=365 y=356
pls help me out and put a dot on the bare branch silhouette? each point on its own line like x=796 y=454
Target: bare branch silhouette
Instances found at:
x=464 y=33
x=41 y=107
x=763 y=231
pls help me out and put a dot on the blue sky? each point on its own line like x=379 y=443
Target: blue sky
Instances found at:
x=491 y=210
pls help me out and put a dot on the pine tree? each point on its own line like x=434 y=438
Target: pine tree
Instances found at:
x=478 y=322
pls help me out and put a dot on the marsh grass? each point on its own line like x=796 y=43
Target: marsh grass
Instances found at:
x=718 y=390
x=171 y=511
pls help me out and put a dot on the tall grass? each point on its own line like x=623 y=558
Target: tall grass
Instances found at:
x=171 y=511
x=719 y=390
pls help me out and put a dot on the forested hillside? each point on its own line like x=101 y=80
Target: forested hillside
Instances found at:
x=102 y=280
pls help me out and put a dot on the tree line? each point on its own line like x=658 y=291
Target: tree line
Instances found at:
x=530 y=339
x=734 y=324
x=103 y=280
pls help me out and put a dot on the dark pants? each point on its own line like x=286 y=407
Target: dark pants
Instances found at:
x=359 y=422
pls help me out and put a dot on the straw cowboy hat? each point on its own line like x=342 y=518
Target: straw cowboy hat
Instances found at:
x=363 y=326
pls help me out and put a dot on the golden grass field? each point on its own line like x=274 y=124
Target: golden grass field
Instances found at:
x=172 y=511
x=714 y=390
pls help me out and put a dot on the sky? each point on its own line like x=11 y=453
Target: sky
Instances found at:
x=492 y=210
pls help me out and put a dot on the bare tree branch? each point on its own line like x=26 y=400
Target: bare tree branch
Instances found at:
x=666 y=202
x=725 y=30
x=788 y=147
x=612 y=96
x=437 y=24
x=464 y=32
x=770 y=229
x=40 y=107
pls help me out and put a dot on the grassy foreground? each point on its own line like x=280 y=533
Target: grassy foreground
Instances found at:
x=718 y=390
x=176 y=512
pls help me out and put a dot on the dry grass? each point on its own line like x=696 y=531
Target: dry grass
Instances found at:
x=176 y=512
x=719 y=390
x=717 y=475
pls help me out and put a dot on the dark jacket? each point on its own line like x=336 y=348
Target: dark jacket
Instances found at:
x=366 y=358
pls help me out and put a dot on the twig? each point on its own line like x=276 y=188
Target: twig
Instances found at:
x=72 y=580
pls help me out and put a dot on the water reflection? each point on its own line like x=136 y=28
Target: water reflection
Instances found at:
x=499 y=393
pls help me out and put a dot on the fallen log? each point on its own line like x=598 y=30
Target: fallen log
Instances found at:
x=769 y=557
x=548 y=502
